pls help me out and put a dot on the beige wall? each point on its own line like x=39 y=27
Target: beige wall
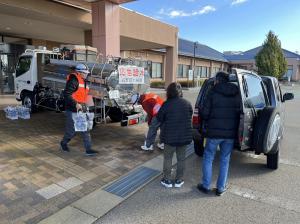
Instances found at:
x=140 y=27
x=296 y=67
x=47 y=20
x=202 y=63
x=160 y=58
x=144 y=55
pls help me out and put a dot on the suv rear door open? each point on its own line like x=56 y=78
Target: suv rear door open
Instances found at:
x=254 y=99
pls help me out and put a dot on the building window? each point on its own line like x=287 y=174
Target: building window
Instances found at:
x=179 y=71
x=185 y=71
x=156 y=70
x=204 y=72
x=197 y=71
x=182 y=71
x=215 y=70
x=289 y=73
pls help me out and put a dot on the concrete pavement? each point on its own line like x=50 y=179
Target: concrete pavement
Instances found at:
x=254 y=188
x=256 y=194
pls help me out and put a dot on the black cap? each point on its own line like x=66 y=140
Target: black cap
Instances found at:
x=222 y=77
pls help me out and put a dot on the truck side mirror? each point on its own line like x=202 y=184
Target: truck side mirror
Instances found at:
x=287 y=96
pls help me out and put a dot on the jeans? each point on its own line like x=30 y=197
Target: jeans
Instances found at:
x=152 y=132
x=168 y=156
x=70 y=133
x=226 y=146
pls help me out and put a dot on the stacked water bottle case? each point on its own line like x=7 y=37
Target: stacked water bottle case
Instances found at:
x=14 y=113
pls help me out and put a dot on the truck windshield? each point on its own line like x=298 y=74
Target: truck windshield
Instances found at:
x=23 y=65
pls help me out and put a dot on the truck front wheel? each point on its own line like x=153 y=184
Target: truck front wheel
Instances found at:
x=28 y=101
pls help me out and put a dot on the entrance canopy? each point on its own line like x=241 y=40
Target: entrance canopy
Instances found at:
x=102 y=24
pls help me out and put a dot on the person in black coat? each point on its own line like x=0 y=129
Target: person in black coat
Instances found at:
x=221 y=114
x=175 y=117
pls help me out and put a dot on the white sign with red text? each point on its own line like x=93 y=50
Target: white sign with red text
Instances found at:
x=129 y=74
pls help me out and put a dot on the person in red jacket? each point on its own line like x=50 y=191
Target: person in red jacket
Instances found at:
x=151 y=103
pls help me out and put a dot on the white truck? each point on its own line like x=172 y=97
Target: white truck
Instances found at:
x=40 y=79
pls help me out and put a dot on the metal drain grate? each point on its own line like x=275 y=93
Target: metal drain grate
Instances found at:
x=131 y=182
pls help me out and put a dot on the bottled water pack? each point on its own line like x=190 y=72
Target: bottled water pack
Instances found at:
x=80 y=121
x=23 y=112
x=11 y=113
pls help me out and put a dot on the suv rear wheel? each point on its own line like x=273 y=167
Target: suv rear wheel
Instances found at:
x=273 y=161
x=266 y=136
x=273 y=158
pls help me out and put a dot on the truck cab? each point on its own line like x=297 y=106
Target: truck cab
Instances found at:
x=27 y=71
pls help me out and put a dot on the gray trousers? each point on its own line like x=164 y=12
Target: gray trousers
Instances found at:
x=152 y=131
x=70 y=132
x=168 y=155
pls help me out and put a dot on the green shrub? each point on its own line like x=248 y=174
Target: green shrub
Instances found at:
x=183 y=83
x=186 y=83
x=157 y=84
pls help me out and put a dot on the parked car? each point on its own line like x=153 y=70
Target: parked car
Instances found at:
x=262 y=117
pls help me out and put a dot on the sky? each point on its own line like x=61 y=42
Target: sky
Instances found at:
x=228 y=25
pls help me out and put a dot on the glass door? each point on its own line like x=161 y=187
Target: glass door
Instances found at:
x=7 y=69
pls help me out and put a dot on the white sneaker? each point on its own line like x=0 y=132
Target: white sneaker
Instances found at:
x=145 y=148
x=178 y=183
x=161 y=146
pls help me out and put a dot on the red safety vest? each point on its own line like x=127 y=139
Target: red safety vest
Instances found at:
x=80 y=95
x=151 y=103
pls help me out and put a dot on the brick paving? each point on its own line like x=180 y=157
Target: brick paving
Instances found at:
x=31 y=163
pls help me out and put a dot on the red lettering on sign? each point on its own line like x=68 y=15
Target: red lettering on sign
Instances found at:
x=129 y=72
x=122 y=71
x=135 y=72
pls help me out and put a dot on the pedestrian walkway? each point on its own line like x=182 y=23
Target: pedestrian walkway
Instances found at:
x=6 y=100
x=37 y=180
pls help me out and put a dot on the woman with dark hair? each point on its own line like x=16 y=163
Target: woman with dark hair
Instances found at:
x=175 y=117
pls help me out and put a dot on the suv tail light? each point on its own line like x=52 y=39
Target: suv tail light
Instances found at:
x=196 y=118
x=133 y=121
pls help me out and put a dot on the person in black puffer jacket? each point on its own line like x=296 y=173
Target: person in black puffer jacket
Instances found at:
x=221 y=114
x=175 y=117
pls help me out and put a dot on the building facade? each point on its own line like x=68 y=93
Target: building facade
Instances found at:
x=203 y=60
x=103 y=24
x=246 y=60
x=99 y=23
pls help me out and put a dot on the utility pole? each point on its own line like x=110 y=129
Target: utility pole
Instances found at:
x=194 y=66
